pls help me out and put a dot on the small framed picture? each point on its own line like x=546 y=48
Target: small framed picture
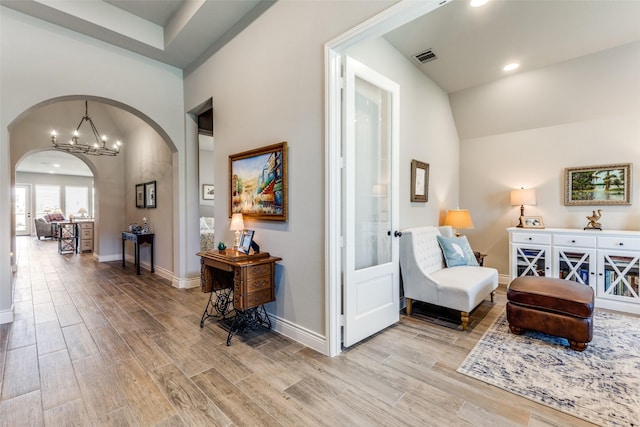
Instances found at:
x=245 y=241
x=150 y=194
x=532 y=222
x=139 y=195
x=208 y=192
x=419 y=181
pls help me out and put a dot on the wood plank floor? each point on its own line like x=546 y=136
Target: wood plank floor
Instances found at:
x=93 y=344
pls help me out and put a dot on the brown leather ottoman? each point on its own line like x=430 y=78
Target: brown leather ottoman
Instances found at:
x=562 y=308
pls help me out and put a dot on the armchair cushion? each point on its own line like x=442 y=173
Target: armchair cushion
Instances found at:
x=456 y=251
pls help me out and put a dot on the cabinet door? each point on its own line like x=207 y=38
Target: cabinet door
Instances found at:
x=618 y=275
x=531 y=260
x=577 y=264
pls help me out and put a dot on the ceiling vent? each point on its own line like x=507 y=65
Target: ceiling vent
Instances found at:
x=426 y=56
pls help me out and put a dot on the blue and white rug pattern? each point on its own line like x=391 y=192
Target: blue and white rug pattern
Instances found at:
x=600 y=385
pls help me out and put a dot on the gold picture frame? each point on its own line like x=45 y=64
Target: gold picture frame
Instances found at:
x=531 y=222
x=598 y=185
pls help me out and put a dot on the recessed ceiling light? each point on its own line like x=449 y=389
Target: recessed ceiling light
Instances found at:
x=511 y=67
x=478 y=3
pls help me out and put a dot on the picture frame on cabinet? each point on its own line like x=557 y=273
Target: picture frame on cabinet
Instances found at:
x=531 y=222
x=419 y=181
x=598 y=185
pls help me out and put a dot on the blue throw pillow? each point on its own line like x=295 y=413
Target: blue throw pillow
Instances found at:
x=457 y=251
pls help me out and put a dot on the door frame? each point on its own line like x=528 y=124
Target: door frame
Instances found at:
x=389 y=19
x=29 y=211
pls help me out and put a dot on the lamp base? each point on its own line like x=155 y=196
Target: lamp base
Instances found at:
x=520 y=225
x=236 y=242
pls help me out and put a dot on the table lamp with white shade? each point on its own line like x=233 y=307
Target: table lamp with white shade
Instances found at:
x=237 y=225
x=523 y=197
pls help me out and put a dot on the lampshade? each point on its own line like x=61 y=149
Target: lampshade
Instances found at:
x=82 y=211
x=237 y=224
x=458 y=218
x=523 y=197
x=57 y=211
x=47 y=210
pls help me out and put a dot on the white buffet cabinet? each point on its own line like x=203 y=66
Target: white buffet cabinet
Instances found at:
x=608 y=261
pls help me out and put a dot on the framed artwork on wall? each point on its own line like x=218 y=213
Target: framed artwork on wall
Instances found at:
x=258 y=183
x=150 y=194
x=598 y=185
x=419 y=181
x=139 y=195
x=208 y=192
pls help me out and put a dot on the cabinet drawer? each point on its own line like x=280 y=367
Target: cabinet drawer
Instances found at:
x=569 y=240
x=86 y=233
x=86 y=245
x=258 y=270
x=540 y=239
x=86 y=225
x=247 y=301
x=614 y=242
x=253 y=285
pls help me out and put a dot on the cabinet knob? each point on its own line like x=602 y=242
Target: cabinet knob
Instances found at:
x=573 y=241
x=621 y=244
x=530 y=238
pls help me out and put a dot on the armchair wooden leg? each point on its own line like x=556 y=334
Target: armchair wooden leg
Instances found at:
x=493 y=293
x=464 y=316
x=409 y=306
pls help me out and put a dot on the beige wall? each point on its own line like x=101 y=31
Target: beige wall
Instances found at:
x=267 y=87
x=523 y=131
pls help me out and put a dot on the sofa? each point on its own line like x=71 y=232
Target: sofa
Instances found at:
x=427 y=277
x=43 y=228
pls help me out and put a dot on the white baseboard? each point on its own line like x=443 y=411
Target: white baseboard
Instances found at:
x=298 y=333
x=504 y=279
x=6 y=316
x=107 y=258
x=185 y=283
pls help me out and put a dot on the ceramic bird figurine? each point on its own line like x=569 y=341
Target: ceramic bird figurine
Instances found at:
x=593 y=221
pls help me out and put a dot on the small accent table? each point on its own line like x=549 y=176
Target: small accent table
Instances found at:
x=67 y=233
x=247 y=281
x=138 y=239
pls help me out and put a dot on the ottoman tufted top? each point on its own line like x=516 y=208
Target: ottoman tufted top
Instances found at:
x=557 y=295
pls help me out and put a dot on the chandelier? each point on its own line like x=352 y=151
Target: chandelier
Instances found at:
x=98 y=148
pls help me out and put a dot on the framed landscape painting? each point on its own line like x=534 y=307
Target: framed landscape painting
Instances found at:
x=598 y=185
x=258 y=183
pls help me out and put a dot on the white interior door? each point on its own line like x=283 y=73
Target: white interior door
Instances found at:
x=23 y=210
x=371 y=279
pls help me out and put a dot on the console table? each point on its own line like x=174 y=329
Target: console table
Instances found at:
x=237 y=283
x=138 y=239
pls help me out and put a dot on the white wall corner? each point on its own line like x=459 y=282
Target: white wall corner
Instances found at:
x=6 y=316
x=297 y=333
x=185 y=282
x=504 y=279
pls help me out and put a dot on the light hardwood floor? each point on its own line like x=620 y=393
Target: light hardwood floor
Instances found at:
x=93 y=344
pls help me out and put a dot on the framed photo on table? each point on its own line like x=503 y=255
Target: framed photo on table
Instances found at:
x=245 y=241
x=150 y=194
x=139 y=195
x=419 y=181
x=531 y=222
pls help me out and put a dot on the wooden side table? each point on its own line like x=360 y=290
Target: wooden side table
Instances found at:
x=247 y=281
x=138 y=239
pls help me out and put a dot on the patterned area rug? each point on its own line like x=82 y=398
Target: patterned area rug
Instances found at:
x=600 y=385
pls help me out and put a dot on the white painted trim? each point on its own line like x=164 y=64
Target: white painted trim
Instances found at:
x=108 y=258
x=504 y=279
x=185 y=282
x=389 y=19
x=6 y=316
x=296 y=332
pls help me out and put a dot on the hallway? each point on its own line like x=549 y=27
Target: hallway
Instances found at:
x=93 y=344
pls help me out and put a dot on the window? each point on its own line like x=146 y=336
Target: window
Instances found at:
x=75 y=198
x=47 y=197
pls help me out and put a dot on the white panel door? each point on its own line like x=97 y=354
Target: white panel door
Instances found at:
x=371 y=279
x=23 y=210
